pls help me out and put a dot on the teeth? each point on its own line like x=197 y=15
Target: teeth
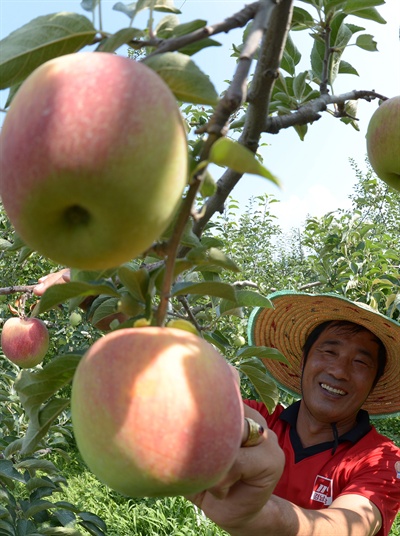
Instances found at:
x=332 y=389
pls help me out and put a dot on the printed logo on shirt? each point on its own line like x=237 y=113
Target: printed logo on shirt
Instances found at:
x=323 y=490
x=397 y=469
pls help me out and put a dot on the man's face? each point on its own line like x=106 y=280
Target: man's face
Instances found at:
x=339 y=373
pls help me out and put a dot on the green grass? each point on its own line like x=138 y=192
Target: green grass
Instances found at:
x=171 y=516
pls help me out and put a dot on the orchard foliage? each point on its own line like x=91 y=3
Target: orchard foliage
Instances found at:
x=214 y=263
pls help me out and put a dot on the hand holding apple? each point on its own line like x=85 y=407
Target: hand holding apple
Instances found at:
x=93 y=159
x=383 y=142
x=156 y=412
x=25 y=341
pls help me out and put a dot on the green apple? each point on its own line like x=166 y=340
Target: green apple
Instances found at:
x=75 y=319
x=383 y=142
x=239 y=341
x=25 y=341
x=156 y=412
x=93 y=159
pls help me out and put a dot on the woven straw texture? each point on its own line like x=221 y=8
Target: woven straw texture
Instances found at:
x=295 y=315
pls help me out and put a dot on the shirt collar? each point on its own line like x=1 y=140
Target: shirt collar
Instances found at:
x=361 y=428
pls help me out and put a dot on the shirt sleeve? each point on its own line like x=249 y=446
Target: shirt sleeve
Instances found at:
x=375 y=475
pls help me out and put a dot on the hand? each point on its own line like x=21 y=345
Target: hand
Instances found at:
x=241 y=495
x=55 y=278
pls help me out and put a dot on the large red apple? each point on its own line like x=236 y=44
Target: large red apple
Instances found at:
x=156 y=412
x=383 y=142
x=25 y=341
x=93 y=159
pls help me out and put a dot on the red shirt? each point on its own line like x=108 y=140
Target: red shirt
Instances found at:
x=363 y=462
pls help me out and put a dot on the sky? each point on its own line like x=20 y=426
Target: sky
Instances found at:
x=315 y=174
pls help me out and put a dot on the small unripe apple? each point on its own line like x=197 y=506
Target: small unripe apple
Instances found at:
x=156 y=412
x=239 y=341
x=383 y=142
x=75 y=319
x=93 y=159
x=185 y=325
x=25 y=341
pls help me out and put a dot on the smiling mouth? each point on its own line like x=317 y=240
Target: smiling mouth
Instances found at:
x=332 y=390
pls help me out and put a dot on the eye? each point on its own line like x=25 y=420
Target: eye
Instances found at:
x=361 y=362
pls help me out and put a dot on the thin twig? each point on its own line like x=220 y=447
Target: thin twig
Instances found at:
x=311 y=111
x=17 y=289
x=238 y=20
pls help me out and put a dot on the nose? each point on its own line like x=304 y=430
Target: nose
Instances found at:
x=339 y=368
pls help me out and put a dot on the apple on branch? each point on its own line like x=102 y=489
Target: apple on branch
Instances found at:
x=156 y=412
x=25 y=341
x=93 y=158
x=383 y=142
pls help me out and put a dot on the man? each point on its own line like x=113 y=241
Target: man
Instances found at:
x=340 y=477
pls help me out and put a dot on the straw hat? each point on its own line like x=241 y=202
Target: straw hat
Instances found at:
x=294 y=316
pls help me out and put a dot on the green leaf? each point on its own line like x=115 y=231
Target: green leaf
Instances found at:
x=88 y=517
x=135 y=281
x=135 y=7
x=346 y=68
x=229 y=153
x=263 y=384
x=262 y=352
x=122 y=37
x=369 y=13
x=208 y=186
x=244 y=298
x=250 y=298
x=206 y=256
x=38 y=506
x=301 y=19
x=37 y=482
x=40 y=40
x=317 y=60
x=187 y=82
x=60 y=293
x=208 y=288
x=4 y=244
x=165 y=27
x=301 y=131
x=367 y=42
x=165 y=6
x=188 y=27
x=299 y=84
x=352 y=6
x=89 y=5
x=106 y=308
x=34 y=388
x=32 y=465
x=291 y=56
x=8 y=471
x=217 y=339
x=196 y=46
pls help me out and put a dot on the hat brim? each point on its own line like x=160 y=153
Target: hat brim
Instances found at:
x=287 y=325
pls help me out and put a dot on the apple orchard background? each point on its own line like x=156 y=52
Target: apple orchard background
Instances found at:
x=317 y=177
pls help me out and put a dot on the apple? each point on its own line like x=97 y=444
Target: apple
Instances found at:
x=25 y=341
x=383 y=142
x=156 y=412
x=93 y=159
x=75 y=319
x=239 y=341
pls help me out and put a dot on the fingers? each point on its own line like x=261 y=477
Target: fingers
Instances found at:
x=56 y=278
